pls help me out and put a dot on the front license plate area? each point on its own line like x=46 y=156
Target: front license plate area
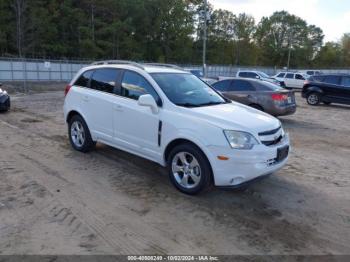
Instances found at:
x=282 y=153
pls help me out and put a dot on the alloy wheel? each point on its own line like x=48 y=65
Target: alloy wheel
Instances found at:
x=186 y=170
x=77 y=133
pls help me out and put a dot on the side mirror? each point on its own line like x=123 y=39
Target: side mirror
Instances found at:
x=148 y=100
x=257 y=77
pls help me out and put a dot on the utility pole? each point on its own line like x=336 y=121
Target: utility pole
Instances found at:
x=205 y=16
x=289 y=49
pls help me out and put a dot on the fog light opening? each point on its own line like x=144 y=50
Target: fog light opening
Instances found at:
x=236 y=181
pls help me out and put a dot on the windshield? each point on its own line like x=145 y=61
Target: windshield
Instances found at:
x=262 y=74
x=187 y=90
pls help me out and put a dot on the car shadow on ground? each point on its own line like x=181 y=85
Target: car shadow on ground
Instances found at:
x=298 y=124
x=253 y=212
x=337 y=106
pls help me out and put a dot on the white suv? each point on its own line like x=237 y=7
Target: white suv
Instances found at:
x=292 y=80
x=171 y=117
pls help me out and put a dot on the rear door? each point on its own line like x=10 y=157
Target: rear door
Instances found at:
x=242 y=91
x=333 y=91
x=345 y=83
x=223 y=87
x=97 y=103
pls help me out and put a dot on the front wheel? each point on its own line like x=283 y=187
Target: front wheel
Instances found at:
x=313 y=99
x=79 y=134
x=189 y=169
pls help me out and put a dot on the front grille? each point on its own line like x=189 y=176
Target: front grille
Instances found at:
x=270 y=132
x=272 y=142
x=271 y=137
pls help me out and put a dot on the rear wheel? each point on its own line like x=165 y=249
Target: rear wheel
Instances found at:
x=189 y=169
x=313 y=98
x=79 y=134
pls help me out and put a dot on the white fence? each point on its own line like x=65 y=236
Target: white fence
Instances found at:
x=38 y=70
x=16 y=69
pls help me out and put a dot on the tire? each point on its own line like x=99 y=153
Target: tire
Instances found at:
x=258 y=107
x=189 y=169
x=327 y=103
x=79 y=135
x=313 y=98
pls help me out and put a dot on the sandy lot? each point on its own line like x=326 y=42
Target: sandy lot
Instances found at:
x=54 y=200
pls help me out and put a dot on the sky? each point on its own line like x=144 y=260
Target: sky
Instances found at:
x=332 y=16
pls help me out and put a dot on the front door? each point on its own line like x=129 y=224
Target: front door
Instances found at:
x=289 y=80
x=136 y=127
x=299 y=81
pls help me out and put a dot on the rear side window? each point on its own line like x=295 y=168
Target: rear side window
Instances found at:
x=291 y=76
x=311 y=73
x=83 y=80
x=241 y=85
x=104 y=80
x=345 y=81
x=281 y=75
x=243 y=74
x=334 y=80
x=134 y=85
x=222 y=86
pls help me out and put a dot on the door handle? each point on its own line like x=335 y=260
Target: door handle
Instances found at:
x=118 y=108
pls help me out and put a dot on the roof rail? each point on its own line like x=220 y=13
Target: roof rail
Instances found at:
x=164 y=65
x=118 y=62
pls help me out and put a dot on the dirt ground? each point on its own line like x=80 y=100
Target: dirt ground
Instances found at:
x=54 y=200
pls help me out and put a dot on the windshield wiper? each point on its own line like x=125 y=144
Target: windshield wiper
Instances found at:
x=212 y=103
x=187 y=105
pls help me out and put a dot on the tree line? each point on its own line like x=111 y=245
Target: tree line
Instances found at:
x=162 y=31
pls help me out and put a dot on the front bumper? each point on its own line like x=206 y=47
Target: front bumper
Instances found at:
x=245 y=165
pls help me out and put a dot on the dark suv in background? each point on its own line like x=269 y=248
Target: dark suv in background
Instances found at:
x=332 y=88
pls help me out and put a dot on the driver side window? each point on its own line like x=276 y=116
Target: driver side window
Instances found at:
x=135 y=85
x=299 y=77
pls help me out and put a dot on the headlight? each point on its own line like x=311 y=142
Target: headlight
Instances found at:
x=240 y=140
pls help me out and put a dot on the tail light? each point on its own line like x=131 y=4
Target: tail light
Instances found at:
x=66 y=90
x=279 y=97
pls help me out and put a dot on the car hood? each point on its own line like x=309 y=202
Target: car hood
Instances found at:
x=235 y=116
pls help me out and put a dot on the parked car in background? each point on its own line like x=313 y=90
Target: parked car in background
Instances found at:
x=261 y=95
x=171 y=117
x=259 y=75
x=333 y=88
x=199 y=73
x=310 y=72
x=4 y=100
x=292 y=80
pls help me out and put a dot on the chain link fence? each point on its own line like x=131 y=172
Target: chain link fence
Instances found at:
x=19 y=69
